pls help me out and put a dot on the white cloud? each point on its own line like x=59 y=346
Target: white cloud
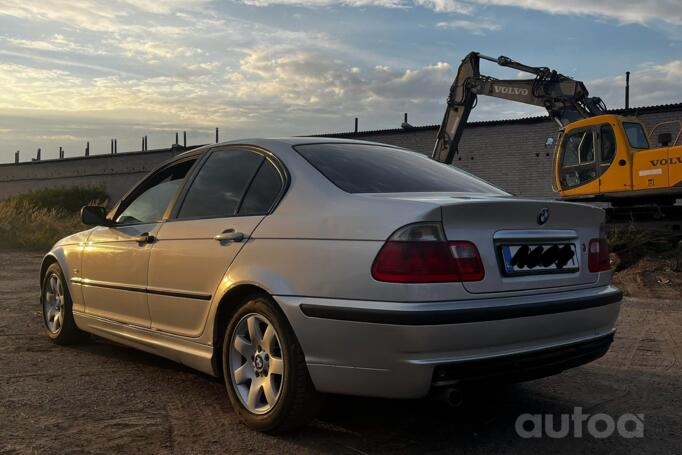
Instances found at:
x=57 y=43
x=649 y=85
x=86 y=14
x=110 y=16
x=320 y=3
x=152 y=49
x=96 y=15
x=477 y=27
x=442 y=6
x=626 y=11
x=309 y=81
x=445 y=6
x=166 y=6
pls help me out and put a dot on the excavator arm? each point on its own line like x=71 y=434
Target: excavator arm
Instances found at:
x=565 y=99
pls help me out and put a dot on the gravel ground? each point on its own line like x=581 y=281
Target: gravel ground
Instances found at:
x=103 y=398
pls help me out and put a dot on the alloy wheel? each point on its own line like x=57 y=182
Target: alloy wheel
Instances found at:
x=256 y=363
x=53 y=303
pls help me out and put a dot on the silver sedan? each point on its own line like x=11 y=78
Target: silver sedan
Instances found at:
x=298 y=267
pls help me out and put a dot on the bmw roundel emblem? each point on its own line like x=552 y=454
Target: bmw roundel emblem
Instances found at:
x=543 y=216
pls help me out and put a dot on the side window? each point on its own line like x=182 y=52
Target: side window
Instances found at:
x=636 y=135
x=578 y=164
x=220 y=184
x=154 y=196
x=266 y=186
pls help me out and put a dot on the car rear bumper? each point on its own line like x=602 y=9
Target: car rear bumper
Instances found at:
x=402 y=350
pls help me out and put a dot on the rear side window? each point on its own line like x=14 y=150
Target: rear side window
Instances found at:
x=261 y=195
x=220 y=184
x=636 y=135
x=361 y=168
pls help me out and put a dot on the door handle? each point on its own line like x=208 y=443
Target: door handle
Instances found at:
x=145 y=238
x=229 y=235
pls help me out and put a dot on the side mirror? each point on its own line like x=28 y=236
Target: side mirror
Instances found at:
x=549 y=142
x=665 y=139
x=94 y=215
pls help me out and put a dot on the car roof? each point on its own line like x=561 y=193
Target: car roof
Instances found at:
x=301 y=140
x=272 y=143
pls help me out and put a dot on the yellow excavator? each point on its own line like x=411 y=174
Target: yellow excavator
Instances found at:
x=599 y=157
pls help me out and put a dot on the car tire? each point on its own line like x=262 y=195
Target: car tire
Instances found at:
x=57 y=308
x=260 y=353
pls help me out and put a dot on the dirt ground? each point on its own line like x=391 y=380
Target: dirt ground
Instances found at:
x=103 y=398
x=656 y=276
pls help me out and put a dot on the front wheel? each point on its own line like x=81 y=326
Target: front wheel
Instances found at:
x=264 y=369
x=57 y=308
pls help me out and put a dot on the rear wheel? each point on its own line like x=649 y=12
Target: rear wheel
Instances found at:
x=264 y=369
x=57 y=308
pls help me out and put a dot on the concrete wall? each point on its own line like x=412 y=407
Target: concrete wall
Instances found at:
x=116 y=173
x=509 y=154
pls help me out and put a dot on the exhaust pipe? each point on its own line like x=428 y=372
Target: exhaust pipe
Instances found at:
x=452 y=396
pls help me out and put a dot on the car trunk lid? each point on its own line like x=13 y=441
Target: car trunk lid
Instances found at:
x=501 y=227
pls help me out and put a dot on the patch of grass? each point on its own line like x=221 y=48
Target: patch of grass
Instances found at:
x=69 y=200
x=35 y=221
x=631 y=244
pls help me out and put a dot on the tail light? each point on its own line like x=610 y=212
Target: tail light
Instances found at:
x=598 y=255
x=419 y=253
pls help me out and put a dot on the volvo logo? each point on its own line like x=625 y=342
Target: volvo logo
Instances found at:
x=543 y=216
x=667 y=161
x=511 y=90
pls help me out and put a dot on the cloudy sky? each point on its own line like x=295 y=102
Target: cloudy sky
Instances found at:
x=79 y=70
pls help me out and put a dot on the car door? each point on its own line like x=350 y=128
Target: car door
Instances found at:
x=614 y=174
x=232 y=191
x=116 y=258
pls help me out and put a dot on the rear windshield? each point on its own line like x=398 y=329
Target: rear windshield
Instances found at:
x=361 y=168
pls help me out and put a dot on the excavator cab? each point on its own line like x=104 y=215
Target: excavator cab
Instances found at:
x=592 y=156
x=610 y=158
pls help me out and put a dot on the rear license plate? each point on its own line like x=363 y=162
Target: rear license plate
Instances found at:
x=539 y=258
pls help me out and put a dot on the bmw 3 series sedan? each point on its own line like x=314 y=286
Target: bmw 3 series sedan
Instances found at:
x=293 y=268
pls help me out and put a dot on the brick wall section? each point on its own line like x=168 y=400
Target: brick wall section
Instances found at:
x=510 y=154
